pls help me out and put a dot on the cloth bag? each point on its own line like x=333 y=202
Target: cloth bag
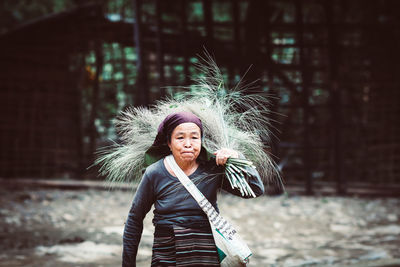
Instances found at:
x=232 y=250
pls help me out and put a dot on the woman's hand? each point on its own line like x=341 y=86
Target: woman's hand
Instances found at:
x=222 y=155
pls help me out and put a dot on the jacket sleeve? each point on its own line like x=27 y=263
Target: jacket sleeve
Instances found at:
x=142 y=202
x=253 y=179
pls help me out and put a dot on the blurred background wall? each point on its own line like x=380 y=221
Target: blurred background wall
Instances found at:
x=68 y=67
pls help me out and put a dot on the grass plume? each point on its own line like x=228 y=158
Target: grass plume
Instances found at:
x=231 y=118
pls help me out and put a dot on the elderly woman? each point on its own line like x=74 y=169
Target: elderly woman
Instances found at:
x=182 y=231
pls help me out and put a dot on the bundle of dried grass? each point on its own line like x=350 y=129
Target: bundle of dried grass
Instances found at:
x=231 y=119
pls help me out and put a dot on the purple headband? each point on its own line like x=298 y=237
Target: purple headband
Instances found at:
x=171 y=121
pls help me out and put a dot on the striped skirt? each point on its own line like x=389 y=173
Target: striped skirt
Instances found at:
x=183 y=246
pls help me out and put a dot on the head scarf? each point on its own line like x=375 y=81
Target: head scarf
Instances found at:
x=170 y=122
x=160 y=148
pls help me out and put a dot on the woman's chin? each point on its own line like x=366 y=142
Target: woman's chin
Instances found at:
x=188 y=158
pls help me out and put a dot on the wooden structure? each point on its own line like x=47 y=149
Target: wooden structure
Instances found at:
x=39 y=94
x=332 y=64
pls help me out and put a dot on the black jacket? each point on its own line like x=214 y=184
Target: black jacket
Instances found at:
x=172 y=203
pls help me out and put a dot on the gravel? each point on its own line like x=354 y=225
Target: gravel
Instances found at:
x=84 y=228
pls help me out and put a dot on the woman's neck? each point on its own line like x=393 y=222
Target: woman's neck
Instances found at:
x=188 y=167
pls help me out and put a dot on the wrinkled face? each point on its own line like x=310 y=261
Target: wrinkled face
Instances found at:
x=185 y=142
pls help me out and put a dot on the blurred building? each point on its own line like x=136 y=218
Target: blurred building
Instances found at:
x=333 y=66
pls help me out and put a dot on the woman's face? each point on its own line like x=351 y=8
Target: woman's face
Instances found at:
x=185 y=142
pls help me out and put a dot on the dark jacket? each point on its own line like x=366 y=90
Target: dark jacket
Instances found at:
x=172 y=203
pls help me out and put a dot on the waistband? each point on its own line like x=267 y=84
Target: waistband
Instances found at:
x=168 y=229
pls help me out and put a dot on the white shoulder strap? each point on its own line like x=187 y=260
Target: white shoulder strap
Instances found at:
x=221 y=226
x=191 y=188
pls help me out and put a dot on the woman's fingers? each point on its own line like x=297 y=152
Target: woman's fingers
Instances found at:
x=222 y=155
x=221 y=160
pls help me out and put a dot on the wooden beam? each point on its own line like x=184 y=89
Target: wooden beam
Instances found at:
x=142 y=94
x=335 y=101
x=208 y=22
x=95 y=98
x=236 y=31
x=305 y=96
x=184 y=41
x=160 y=50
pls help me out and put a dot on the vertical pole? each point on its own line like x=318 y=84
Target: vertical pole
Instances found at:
x=268 y=67
x=251 y=51
x=268 y=59
x=335 y=100
x=236 y=29
x=185 y=41
x=305 y=96
x=267 y=37
x=79 y=141
x=80 y=160
x=208 y=21
x=141 y=83
x=236 y=60
x=124 y=65
x=160 y=50
x=95 y=98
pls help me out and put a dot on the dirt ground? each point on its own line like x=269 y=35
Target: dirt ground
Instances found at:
x=84 y=228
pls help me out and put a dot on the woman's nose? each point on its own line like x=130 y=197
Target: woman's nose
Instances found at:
x=188 y=143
